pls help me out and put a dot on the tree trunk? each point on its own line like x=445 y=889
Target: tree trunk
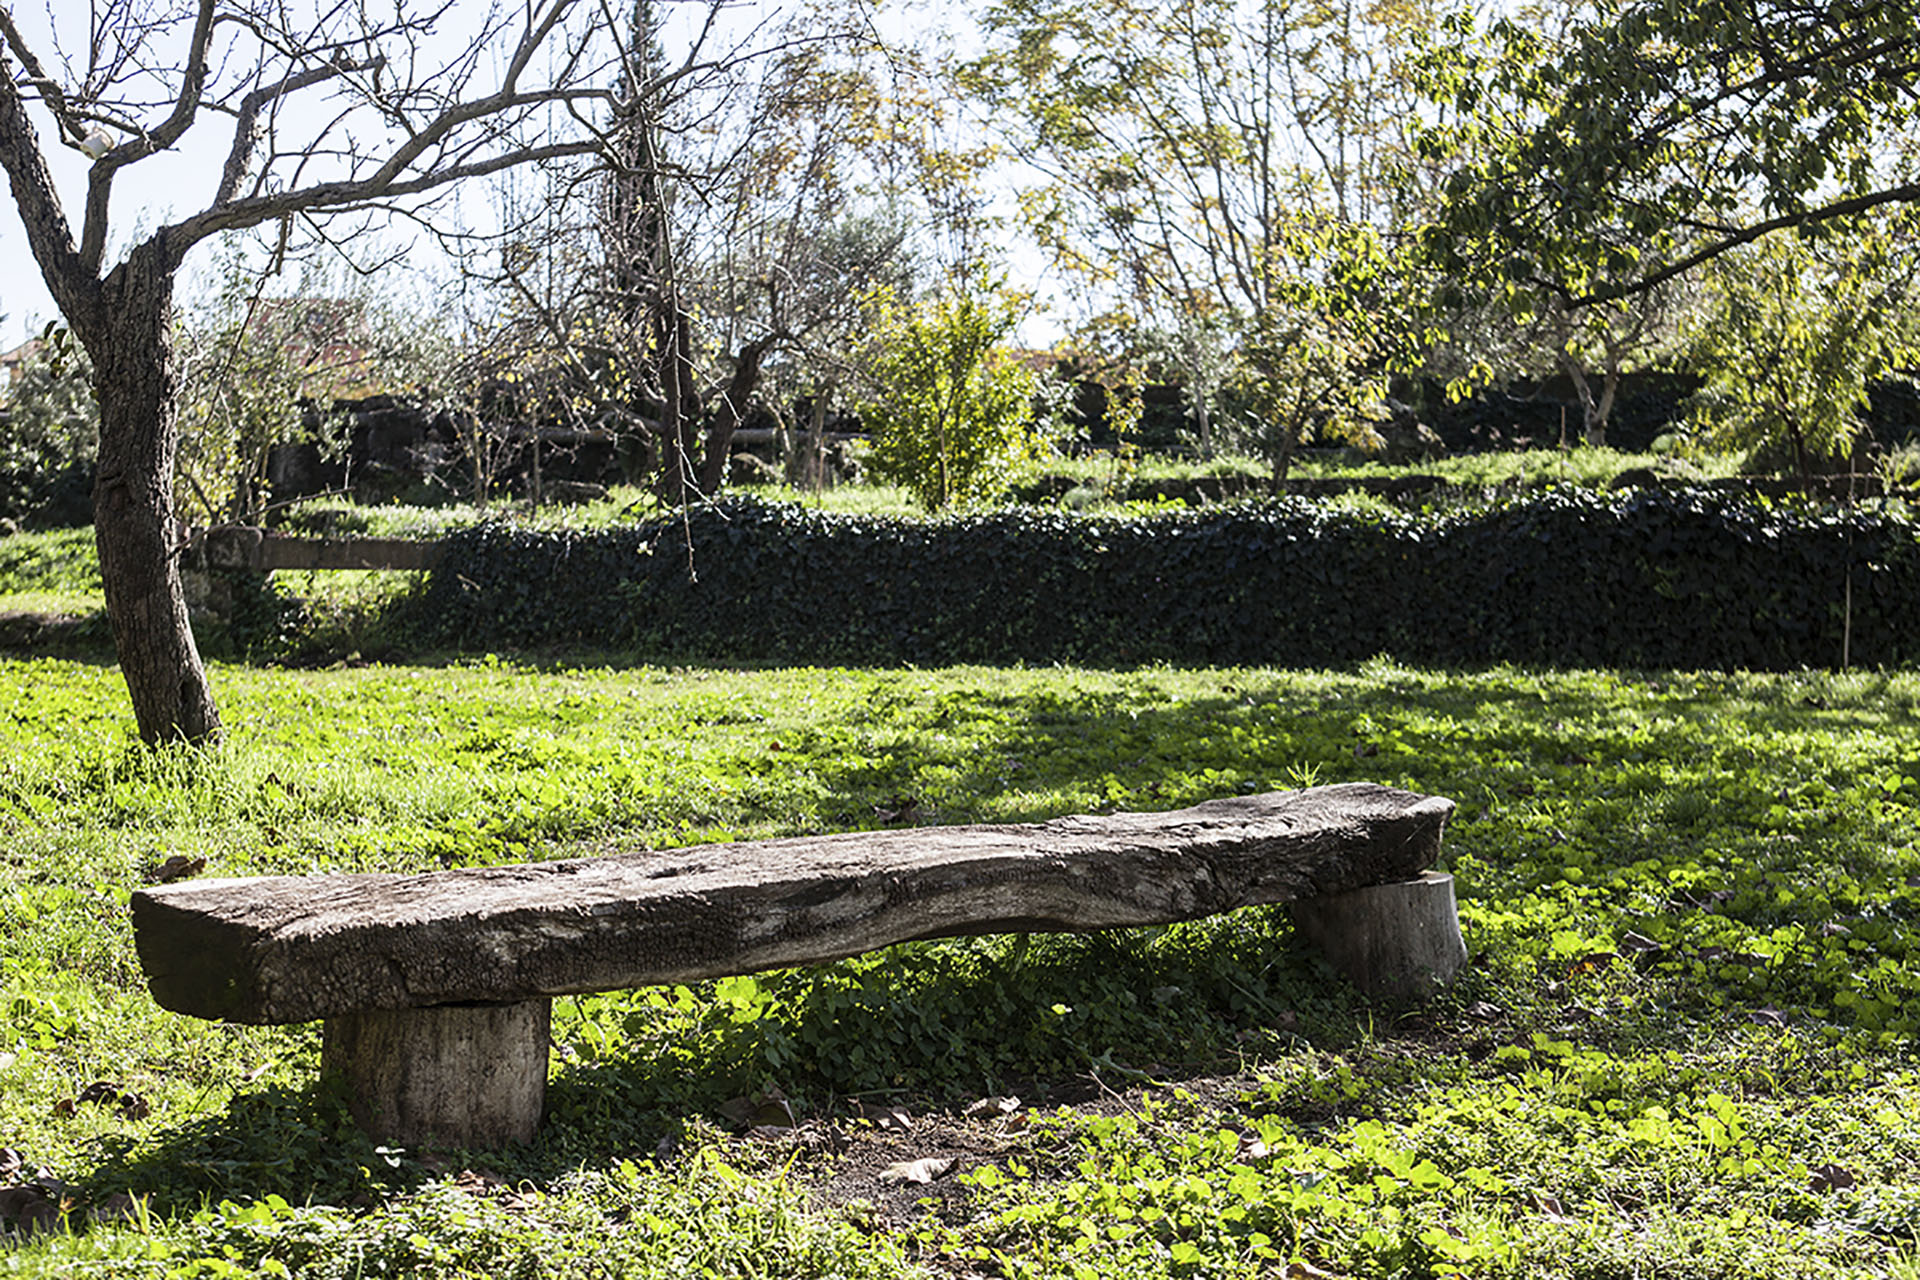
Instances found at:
x=1609 y=392
x=133 y=516
x=730 y=412
x=1283 y=459
x=815 y=474
x=1596 y=434
x=1594 y=410
x=678 y=482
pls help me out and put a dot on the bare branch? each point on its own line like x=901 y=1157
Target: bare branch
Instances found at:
x=247 y=128
x=49 y=234
x=72 y=128
x=354 y=196
x=187 y=105
x=1907 y=193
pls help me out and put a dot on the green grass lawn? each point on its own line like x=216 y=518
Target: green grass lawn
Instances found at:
x=1469 y=475
x=1684 y=1047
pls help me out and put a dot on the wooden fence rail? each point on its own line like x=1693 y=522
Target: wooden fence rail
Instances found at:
x=239 y=547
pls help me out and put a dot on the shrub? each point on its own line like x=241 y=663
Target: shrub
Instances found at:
x=50 y=434
x=951 y=410
x=1567 y=578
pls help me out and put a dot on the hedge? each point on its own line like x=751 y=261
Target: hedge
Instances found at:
x=1569 y=577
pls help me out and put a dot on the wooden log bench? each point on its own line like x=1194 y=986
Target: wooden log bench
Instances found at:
x=435 y=988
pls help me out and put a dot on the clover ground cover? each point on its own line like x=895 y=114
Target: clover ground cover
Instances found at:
x=1685 y=1046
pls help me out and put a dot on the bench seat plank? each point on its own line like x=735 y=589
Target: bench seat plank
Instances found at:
x=284 y=949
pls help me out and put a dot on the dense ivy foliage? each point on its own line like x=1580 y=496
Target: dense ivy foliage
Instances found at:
x=1647 y=578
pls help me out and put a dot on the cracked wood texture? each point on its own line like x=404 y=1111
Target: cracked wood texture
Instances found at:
x=282 y=949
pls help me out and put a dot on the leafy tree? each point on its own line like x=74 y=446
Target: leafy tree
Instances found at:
x=1511 y=334
x=1491 y=321
x=950 y=408
x=1651 y=137
x=1612 y=161
x=1215 y=166
x=1793 y=333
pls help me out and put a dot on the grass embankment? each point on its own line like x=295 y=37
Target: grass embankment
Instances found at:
x=51 y=601
x=1468 y=477
x=1684 y=1048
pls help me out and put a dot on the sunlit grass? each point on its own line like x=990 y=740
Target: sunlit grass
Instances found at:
x=1577 y=1105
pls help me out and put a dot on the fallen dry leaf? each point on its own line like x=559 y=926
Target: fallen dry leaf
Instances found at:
x=1833 y=1177
x=923 y=1170
x=1595 y=963
x=177 y=867
x=1767 y=1017
x=881 y=1116
x=105 y=1093
x=991 y=1107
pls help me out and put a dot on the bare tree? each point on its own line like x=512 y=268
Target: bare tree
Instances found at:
x=322 y=111
x=737 y=234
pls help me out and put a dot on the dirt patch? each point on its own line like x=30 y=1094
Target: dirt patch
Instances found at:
x=890 y=1166
x=894 y=1177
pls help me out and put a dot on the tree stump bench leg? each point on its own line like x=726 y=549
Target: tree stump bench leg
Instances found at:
x=1391 y=939
x=452 y=1075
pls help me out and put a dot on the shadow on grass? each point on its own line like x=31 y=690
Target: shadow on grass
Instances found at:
x=1050 y=1018
x=1058 y=1020
x=83 y=638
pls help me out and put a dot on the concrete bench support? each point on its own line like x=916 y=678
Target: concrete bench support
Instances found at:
x=435 y=987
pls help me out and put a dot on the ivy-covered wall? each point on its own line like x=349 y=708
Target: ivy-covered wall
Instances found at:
x=1647 y=578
